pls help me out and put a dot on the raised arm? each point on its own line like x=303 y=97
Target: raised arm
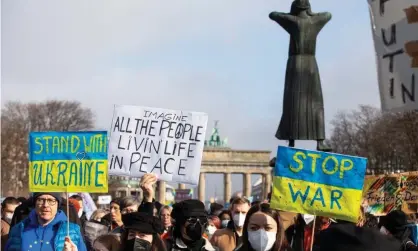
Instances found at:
x=322 y=18
x=285 y=20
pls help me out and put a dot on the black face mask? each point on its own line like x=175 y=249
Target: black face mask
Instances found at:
x=137 y=244
x=194 y=231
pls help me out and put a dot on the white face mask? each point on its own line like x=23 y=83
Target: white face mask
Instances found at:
x=239 y=219
x=308 y=218
x=225 y=223
x=261 y=240
x=211 y=230
x=80 y=213
x=8 y=217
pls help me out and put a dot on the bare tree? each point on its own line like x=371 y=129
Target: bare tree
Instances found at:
x=388 y=140
x=18 y=119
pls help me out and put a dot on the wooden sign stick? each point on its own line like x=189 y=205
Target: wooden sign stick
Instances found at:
x=313 y=232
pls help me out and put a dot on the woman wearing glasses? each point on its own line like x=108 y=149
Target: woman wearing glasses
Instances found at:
x=46 y=228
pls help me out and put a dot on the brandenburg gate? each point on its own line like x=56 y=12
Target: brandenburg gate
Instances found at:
x=228 y=161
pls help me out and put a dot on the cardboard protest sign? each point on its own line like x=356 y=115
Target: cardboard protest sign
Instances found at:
x=382 y=194
x=151 y=140
x=318 y=183
x=68 y=162
x=386 y=193
x=394 y=28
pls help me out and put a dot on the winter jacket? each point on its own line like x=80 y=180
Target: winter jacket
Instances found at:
x=226 y=239
x=29 y=235
x=92 y=231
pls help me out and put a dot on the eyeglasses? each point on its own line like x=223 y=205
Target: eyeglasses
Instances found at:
x=50 y=202
x=201 y=220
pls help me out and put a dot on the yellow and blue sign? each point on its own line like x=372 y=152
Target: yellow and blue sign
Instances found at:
x=318 y=183
x=68 y=162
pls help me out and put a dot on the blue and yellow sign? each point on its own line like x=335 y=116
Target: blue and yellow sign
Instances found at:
x=318 y=183
x=68 y=162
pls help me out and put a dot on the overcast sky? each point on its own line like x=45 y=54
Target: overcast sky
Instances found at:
x=225 y=58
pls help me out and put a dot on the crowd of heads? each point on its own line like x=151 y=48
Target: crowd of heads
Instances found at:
x=131 y=224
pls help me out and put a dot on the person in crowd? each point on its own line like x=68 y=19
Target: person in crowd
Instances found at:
x=190 y=220
x=95 y=228
x=97 y=215
x=46 y=228
x=74 y=203
x=24 y=209
x=349 y=237
x=142 y=232
x=81 y=214
x=262 y=230
x=115 y=214
x=165 y=217
x=229 y=238
x=225 y=217
x=299 y=235
x=21 y=199
x=107 y=242
x=396 y=224
x=127 y=205
x=8 y=207
x=214 y=223
x=215 y=209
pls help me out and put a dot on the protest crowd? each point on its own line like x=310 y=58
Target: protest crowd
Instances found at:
x=319 y=200
x=40 y=223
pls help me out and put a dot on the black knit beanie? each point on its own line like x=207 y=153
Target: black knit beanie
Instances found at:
x=57 y=196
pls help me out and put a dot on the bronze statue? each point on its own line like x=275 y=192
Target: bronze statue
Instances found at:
x=303 y=105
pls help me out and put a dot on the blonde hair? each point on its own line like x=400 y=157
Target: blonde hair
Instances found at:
x=95 y=214
x=165 y=207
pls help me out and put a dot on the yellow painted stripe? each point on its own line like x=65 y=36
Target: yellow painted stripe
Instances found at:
x=68 y=175
x=312 y=198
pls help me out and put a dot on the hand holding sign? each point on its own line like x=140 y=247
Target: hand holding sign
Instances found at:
x=146 y=184
x=69 y=245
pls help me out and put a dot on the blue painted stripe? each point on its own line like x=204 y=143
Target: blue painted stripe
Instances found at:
x=313 y=171
x=88 y=145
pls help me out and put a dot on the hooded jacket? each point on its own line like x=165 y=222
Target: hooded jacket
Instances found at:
x=29 y=235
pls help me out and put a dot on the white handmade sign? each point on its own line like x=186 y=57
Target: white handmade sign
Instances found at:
x=395 y=34
x=165 y=142
x=104 y=199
